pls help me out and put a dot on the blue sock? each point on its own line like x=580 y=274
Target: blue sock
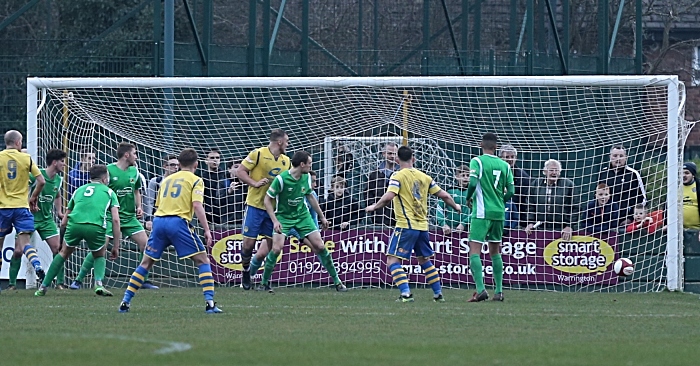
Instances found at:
x=245 y=258
x=135 y=283
x=432 y=277
x=206 y=280
x=30 y=252
x=255 y=265
x=400 y=278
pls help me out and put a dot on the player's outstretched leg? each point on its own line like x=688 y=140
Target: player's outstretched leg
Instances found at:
x=56 y=265
x=494 y=250
x=88 y=263
x=135 y=283
x=255 y=265
x=15 y=264
x=400 y=279
x=30 y=252
x=246 y=255
x=433 y=279
x=315 y=241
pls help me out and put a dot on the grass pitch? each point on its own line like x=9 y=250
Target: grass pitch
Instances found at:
x=362 y=327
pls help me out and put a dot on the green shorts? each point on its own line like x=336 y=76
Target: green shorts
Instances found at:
x=484 y=230
x=303 y=225
x=130 y=227
x=93 y=235
x=46 y=229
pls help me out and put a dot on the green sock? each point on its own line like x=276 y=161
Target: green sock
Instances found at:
x=56 y=265
x=100 y=264
x=327 y=262
x=15 y=263
x=88 y=262
x=61 y=276
x=270 y=262
x=498 y=272
x=476 y=268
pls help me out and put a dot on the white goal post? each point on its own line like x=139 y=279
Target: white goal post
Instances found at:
x=576 y=120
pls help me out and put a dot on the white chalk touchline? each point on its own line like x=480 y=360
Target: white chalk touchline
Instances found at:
x=170 y=347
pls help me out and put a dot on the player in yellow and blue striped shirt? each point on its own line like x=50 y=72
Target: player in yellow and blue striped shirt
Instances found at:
x=180 y=196
x=409 y=189
x=15 y=167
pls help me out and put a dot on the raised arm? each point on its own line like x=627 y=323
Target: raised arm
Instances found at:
x=383 y=201
x=447 y=198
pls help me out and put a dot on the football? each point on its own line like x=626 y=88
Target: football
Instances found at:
x=623 y=267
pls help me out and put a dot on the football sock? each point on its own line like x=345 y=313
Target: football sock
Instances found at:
x=15 y=264
x=498 y=272
x=100 y=264
x=61 y=276
x=476 y=268
x=245 y=258
x=30 y=252
x=270 y=262
x=56 y=264
x=400 y=278
x=88 y=262
x=255 y=264
x=135 y=283
x=432 y=277
x=327 y=262
x=206 y=280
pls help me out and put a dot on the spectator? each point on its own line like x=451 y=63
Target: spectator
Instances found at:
x=170 y=166
x=80 y=174
x=235 y=195
x=340 y=209
x=551 y=201
x=602 y=212
x=626 y=185
x=521 y=179
x=378 y=182
x=643 y=221
x=691 y=209
x=449 y=219
x=214 y=186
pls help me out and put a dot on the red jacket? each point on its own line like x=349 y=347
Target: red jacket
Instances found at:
x=657 y=220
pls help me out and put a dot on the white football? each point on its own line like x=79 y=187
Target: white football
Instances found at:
x=623 y=267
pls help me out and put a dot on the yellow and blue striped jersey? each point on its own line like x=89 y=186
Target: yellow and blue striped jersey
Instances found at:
x=412 y=187
x=177 y=194
x=15 y=167
x=262 y=164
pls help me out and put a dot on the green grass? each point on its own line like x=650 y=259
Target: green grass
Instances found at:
x=361 y=327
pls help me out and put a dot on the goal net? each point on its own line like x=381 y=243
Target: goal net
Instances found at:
x=597 y=161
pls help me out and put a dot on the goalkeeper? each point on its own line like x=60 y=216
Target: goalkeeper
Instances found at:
x=86 y=219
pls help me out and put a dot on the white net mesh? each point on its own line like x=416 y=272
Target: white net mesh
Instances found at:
x=349 y=130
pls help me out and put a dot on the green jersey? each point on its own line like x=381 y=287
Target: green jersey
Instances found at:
x=491 y=181
x=289 y=194
x=47 y=197
x=91 y=203
x=125 y=183
x=448 y=216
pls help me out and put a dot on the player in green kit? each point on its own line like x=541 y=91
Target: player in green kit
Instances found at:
x=288 y=190
x=125 y=181
x=44 y=223
x=491 y=182
x=86 y=219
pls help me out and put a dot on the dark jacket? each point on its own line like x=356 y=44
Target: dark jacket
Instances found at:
x=626 y=188
x=214 y=193
x=522 y=185
x=554 y=206
x=340 y=209
x=377 y=184
x=601 y=218
x=234 y=204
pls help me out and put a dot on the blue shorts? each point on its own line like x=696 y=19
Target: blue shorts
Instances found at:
x=175 y=231
x=404 y=241
x=19 y=218
x=256 y=222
